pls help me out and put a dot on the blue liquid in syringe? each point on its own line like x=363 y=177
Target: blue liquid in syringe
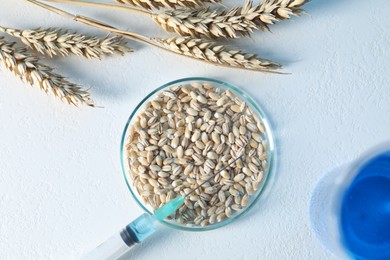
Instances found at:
x=365 y=211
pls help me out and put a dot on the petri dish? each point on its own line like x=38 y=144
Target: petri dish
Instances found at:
x=269 y=150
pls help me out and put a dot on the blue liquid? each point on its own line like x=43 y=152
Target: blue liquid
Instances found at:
x=365 y=211
x=142 y=227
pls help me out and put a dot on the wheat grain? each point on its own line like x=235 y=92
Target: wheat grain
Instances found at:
x=222 y=196
x=172 y=4
x=215 y=53
x=28 y=68
x=55 y=41
x=227 y=23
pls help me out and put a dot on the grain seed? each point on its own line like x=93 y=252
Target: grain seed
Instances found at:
x=182 y=138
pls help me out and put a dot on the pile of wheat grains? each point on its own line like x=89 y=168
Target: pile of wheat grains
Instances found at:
x=186 y=134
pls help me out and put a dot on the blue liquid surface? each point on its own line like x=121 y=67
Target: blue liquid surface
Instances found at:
x=365 y=211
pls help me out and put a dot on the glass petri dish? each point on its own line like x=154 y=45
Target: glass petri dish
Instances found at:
x=269 y=150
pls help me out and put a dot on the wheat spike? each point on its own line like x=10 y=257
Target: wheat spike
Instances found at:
x=171 y=4
x=214 y=23
x=28 y=68
x=55 y=41
x=228 y=23
x=215 y=53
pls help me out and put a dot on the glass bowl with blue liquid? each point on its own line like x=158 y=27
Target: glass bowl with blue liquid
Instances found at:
x=269 y=150
x=350 y=208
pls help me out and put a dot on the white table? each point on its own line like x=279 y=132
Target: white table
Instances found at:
x=61 y=186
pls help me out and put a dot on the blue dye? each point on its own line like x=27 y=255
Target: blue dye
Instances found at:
x=365 y=211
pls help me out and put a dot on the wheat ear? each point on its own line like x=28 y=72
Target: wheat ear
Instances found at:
x=171 y=4
x=199 y=49
x=28 y=68
x=55 y=41
x=217 y=54
x=214 y=23
x=228 y=23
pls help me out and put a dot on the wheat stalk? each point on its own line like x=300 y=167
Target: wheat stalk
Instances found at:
x=199 y=49
x=172 y=4
x=228 y=23
x=55 y=41
x=28 y=68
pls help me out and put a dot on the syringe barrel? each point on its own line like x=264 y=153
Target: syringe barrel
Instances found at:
x=127 y=238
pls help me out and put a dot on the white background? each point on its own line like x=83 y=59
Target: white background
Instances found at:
x=61 y=187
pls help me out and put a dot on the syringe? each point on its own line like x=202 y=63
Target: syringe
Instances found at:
x=141 y=228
